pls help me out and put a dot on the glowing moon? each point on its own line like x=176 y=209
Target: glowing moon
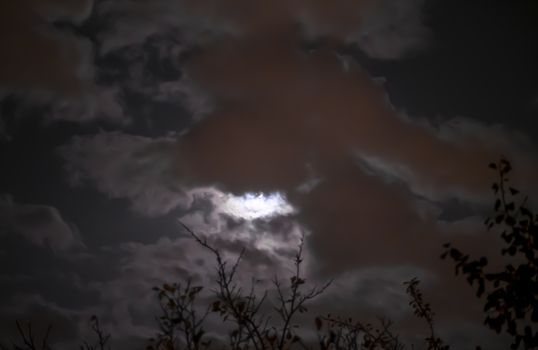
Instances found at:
x=251 y=206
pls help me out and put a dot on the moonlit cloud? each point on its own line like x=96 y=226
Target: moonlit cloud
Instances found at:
x=392 y=29
x=256 y=124
x=126 y=166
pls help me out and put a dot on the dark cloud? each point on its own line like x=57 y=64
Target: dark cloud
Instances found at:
x=131 y=23
x=37 y=56
x=391 y=30
x=39 y=224
x=49 y=64
x=40 y=314
x=385 y=29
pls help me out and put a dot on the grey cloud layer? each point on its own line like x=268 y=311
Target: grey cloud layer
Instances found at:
x=385 y=29
x=40 y=224
x=126 y=166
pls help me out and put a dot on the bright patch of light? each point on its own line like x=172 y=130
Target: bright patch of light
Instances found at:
x=252 y=206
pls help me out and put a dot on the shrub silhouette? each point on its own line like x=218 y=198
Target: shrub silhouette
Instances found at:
x=181 y=327
x=512 y=292
x=102 y=338
x=251 y=327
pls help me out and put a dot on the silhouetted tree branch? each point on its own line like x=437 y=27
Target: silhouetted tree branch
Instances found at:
x=252 y=327
x=179 y=324
x=423 y=311
x=243 y=309
x=511 y=293
x=295 y=301
x=348 y=334
x=102 y=337
x=27 y=338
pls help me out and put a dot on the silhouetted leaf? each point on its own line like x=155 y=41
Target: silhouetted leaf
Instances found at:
x=513 y=191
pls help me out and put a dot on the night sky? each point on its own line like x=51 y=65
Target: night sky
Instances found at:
x=365 y=125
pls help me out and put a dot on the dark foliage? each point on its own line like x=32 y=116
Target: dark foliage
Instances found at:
x=511 y=303
x=340 y=333
x=423 y=311
x=180 y=326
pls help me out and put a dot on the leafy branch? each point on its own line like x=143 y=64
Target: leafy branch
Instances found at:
x=511 y=293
